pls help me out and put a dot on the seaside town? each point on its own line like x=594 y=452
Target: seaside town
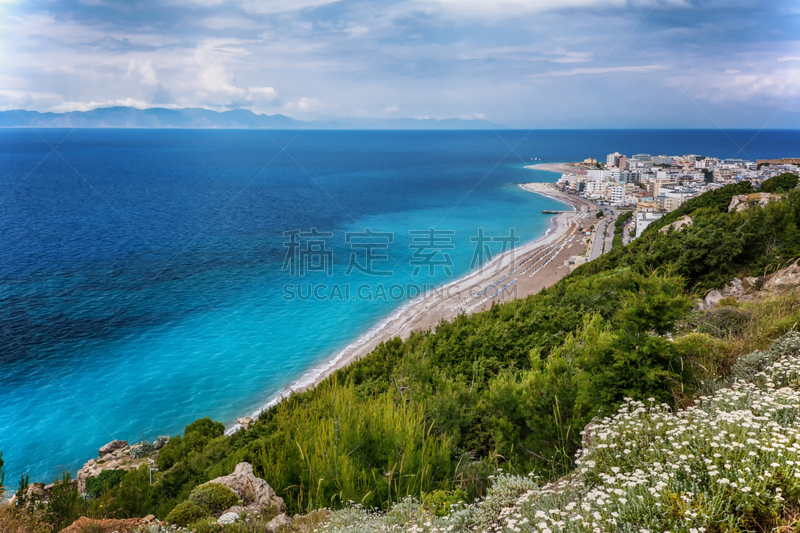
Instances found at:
x=656 y=185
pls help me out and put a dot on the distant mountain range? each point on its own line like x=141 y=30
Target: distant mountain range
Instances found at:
x=156 y=117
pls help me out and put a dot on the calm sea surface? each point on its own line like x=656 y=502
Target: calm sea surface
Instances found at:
x=152 y=277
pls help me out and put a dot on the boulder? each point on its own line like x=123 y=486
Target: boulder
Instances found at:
x=111 y=447
x=245 y=421
x=712 y=299
x=683 y=222
x=743 y=202
x=279 y=522
x=734 y=289
x=253 y=491
x=227 y=519
x=784 y=279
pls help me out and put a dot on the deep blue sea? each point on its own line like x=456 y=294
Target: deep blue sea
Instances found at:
x=145 y=274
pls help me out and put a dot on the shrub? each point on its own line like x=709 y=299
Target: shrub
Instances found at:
x=781 y=183
x=65 y=504
x=439 y=501
x=215 y=497
x=186 y=513
x=206 y=525
x=725 y=321
x=730 y=462
x=96 y=485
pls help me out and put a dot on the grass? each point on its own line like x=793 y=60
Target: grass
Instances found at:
x=729 y=462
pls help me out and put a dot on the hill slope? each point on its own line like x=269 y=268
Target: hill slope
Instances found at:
x=435 y=416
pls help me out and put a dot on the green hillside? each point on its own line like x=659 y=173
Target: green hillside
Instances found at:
x=511 y=388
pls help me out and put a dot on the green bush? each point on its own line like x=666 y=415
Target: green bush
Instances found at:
x=196 y=437
x=95 y=485
x=186 y=513
x=65 y=504
x=206 y=525
x=215 y=497
x=439 y=501
x=781 y=183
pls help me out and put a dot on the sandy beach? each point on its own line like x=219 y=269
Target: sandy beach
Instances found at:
x=525 y=270
x=561 y=168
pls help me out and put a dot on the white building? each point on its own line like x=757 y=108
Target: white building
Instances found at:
x=644 y=219
x=617 y=194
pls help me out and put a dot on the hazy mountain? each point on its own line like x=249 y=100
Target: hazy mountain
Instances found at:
x=156 y=117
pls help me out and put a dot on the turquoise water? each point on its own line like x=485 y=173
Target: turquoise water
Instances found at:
x=141 y=271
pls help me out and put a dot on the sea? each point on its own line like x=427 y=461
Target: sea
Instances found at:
x=149 y=278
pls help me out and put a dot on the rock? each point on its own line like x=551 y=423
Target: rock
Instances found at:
x=112 y=446
x=712 y=299
x=683 y=222
x=160 y=442
x=245 y=421
x=280 y=521
x=228 y=518
x=744 y=201
x=83 y=524
x=141 y=449
x=783 y=279
x=253 y=491
x=148 y=518
x=750 y=282
x=118 y=460
x=734 y=289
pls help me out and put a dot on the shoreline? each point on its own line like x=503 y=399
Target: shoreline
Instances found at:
x=559 y=168
x=466 y=294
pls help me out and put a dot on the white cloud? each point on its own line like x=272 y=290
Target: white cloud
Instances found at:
x=356 y=30
x=15 y=99
x=501 y=9
x=305 y=104
x=148 y=74
x=392 y=109
x=638 y=69
x=262 y=7
x=788 y=59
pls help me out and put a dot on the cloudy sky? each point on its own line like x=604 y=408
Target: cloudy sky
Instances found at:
x=518 y=63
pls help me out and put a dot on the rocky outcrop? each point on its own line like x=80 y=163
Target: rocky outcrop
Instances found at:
x=788 y=277
x=253 y=491
x=279 y=522
x=111 y=447
x=744 y=201
x=245 y=421
x=683 y=222
x=83 y=524
x=735 y=289
x=119 y=458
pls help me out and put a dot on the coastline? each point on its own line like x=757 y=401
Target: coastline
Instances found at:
x=545 y=256
x=560 y=168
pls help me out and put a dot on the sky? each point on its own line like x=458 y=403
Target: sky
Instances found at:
x=517 y=63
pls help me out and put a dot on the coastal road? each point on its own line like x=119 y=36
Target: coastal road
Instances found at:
x=603 y=233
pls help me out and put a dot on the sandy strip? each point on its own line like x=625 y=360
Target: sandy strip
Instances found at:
x=561 y=168
x=527 y=269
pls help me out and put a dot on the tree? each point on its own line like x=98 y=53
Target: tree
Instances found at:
x=64 y=505
x=778 y=184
